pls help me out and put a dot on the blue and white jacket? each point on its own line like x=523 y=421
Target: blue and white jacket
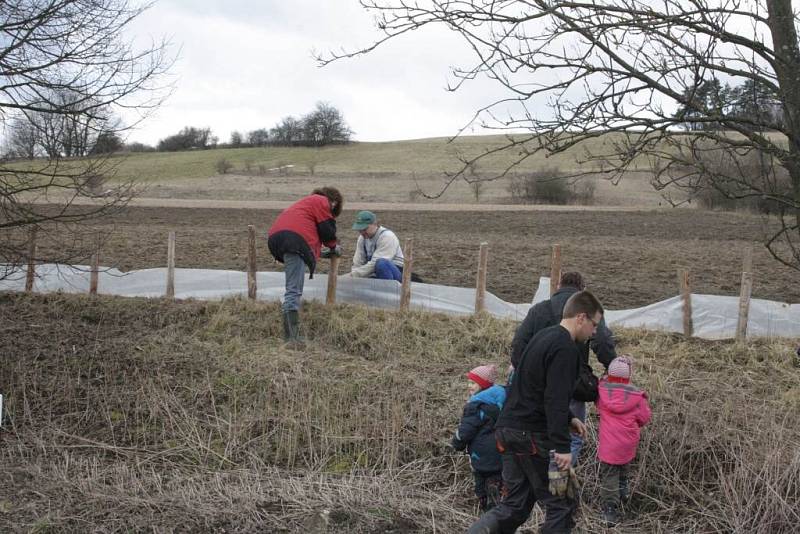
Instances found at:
x=476 y=430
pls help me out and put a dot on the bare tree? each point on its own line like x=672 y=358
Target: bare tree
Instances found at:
x=65 y=68
x=258 y=137
x=324 y=126
x=287 y=133
x=632 y=72
x=22 y=139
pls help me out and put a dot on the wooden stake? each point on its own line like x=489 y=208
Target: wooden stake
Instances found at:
x=555 y=269
x=171 y=266
x=747 y=261
x=333 y=278
x=686 y=294
x=744 y=306
x=252 y=287
x=408 y=264
x=31 y=260
x=95 y=274
x=480 y=287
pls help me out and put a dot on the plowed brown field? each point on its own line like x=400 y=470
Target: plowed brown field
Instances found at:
x=629 y=257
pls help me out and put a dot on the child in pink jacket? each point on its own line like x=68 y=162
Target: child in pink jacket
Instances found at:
x=623 y=410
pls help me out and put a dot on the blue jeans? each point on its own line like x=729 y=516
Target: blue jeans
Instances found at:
x=576 y=442
x=387 y=270
x=295 y=271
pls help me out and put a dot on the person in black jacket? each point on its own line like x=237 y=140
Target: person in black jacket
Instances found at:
x=535 y=422
x=548 y=313
x=476 y=434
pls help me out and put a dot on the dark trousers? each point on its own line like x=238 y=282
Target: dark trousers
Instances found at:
x=526 y=483
x=613 y=483
x=488 y=488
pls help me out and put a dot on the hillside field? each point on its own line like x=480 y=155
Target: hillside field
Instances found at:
x=145 y=415
x=630 y=258
x=152 y=415
x=397 y=171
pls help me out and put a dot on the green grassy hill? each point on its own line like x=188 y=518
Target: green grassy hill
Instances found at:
x=422 y=156
x=381 y=172
x=134 y=415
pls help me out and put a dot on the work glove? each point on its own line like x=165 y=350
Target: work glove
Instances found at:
x=573 y=487
x=559 y=482
x=331 y=252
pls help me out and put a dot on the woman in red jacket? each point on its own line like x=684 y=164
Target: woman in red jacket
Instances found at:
x=295 y=239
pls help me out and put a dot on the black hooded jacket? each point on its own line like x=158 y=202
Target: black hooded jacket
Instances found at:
x=548 y=313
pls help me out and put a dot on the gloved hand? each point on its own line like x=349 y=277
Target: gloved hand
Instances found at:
x=559 y=482
x=559 y=479
x=573 y=487
x=331 y=252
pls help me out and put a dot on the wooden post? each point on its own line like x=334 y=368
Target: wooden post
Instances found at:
x=480 y=286
x=747 y=261
x=686 y=294
x=171 y=266
x=252 y=287
x=408 y=264
x=744 y=306
x=333 y=278
x=31 y=260
x=95 y=273
x=555 y=269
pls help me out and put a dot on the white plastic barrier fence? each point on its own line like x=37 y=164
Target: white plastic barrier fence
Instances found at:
x=714 y=317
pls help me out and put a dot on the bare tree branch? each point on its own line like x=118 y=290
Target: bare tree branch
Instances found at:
x=65 y=72
x=636 y=74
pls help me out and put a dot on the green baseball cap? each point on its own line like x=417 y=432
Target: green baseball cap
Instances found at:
x=364 y=219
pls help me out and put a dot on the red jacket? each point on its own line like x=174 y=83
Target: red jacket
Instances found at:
x=302 y=228
x=623 y=410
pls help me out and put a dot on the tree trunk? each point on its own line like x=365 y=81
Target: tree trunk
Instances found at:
x=787 y=69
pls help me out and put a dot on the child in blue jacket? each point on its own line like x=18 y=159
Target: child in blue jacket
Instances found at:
x=476 y=434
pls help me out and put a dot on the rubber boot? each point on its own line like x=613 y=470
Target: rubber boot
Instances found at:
x=611 y=515
x=291 y=329
x=486 y=524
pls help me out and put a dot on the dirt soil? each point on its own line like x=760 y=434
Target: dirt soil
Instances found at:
x=629 y=258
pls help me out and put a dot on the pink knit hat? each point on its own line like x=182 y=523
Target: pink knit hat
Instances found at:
x=620 y=367
x=484 y=375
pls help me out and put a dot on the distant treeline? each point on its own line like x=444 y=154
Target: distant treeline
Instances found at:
x=325 y=125
x=64 y=135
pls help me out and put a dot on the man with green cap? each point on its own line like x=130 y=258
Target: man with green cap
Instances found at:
x=378 y=253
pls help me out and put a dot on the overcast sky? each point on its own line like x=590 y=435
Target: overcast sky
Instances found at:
x=245 y=64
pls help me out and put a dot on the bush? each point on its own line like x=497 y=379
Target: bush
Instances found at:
x=224 y=166
x=477 y=189
x=550 y=186
x=719 y=180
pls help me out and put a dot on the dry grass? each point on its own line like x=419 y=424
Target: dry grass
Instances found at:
x=145 y=415
x=365 y=172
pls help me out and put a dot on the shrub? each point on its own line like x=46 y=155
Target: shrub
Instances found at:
x=93 y=185
x=224 y=166
x=477 y=189
x=719 y=180
x=550 y=186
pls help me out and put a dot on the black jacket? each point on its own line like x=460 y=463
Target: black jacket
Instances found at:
x=539 y=396
x=548 y=313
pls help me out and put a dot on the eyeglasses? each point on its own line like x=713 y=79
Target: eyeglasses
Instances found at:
x=594 y=323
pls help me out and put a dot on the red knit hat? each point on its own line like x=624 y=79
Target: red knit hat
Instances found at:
x=484 y=375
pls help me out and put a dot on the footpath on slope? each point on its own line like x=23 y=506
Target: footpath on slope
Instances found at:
x=361 y=205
